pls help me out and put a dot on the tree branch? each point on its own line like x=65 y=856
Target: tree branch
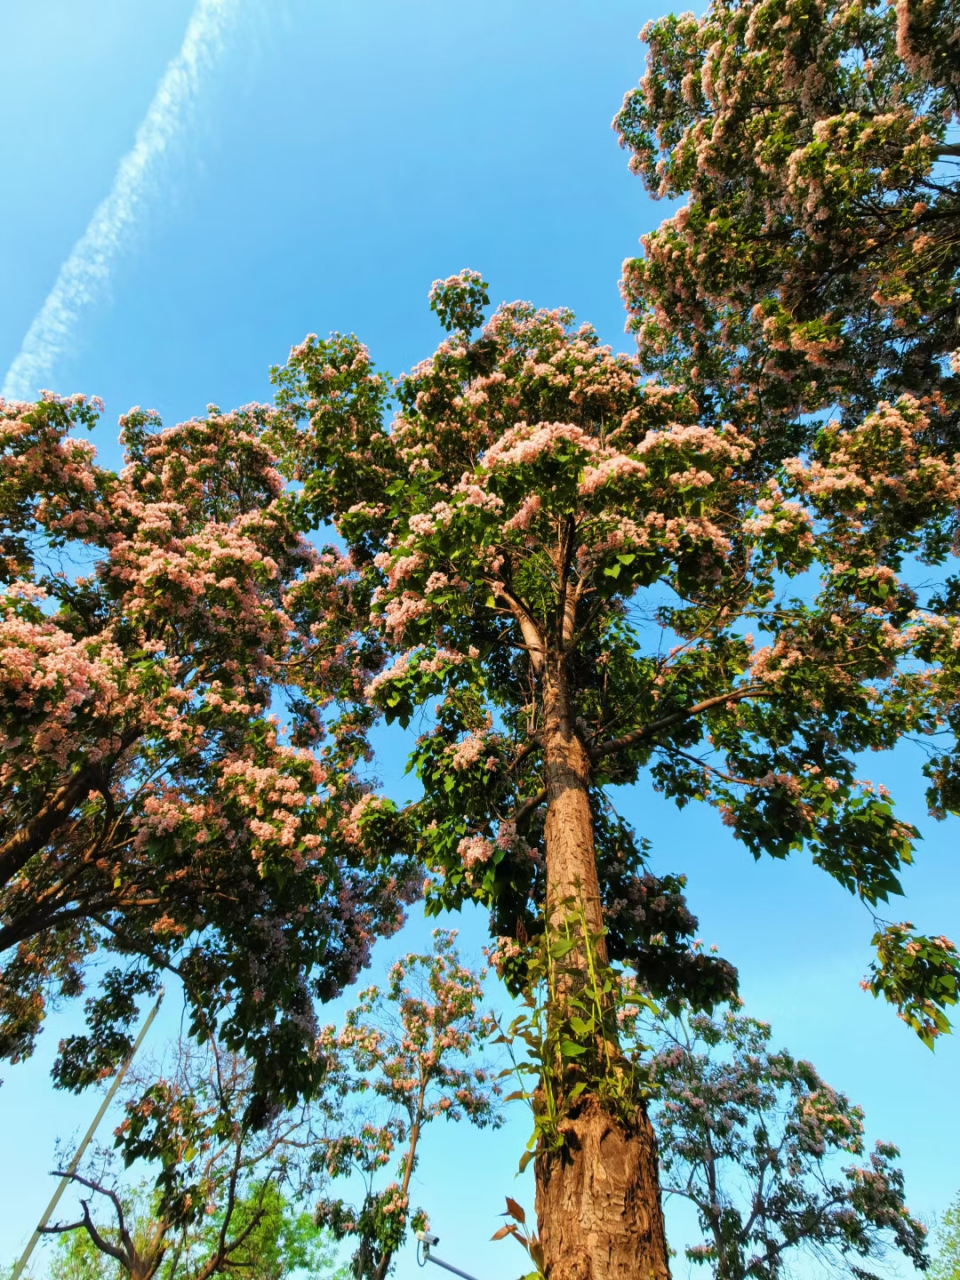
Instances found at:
x=524 y=619
x=104 y=1245
x=613 y=745
x=566 y=606
x=528 y=807
x=532 y=745
x=19 y=848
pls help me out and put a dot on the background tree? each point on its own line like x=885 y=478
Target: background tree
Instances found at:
x=946 y=1257
x=405 y=1057
x=224 y=1195
x=569 y=566
x=229 y=1179
x=289 y=1240
x=150 y=622
x=753 y=1140
x=286 y=1239
x=283 y=1241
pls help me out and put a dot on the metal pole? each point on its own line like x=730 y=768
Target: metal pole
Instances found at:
x=78 y=1155
x=428 y=1256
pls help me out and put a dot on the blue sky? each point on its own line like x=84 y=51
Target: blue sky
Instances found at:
x=329 y=163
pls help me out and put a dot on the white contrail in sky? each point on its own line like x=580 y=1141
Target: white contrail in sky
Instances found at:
x=85 y=275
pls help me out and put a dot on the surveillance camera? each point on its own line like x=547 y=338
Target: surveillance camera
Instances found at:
x=426 y=1238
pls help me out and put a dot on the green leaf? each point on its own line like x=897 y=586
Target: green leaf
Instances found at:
x=562 y=948
x=570 y=1049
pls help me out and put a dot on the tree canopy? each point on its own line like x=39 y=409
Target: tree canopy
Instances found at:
x=946 y=1258
x=693 y=567
x=407 y=1055
x=814 y=262
x=153 y=623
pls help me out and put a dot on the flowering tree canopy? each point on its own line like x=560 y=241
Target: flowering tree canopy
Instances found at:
x=405 y=1057
x=151 y=622
x=753 y=1138
x=559 y=548
x=815 y=261
x=813 y=271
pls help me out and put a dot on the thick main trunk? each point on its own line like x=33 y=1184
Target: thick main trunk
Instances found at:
x=598 y=1198
x=598 y=1201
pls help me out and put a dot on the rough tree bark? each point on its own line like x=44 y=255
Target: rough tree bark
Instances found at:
x=598 y=1199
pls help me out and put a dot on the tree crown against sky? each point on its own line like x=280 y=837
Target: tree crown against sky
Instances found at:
x=546 y=532
x=153 y=621
x=228 y=1188
x=812 y=271
x=225 y=1178
x=814 y=262
x=755 y=1140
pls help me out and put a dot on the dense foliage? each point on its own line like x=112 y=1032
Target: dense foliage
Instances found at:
x=582 y=577
x=152 y=620
x=812 y=271
x=946 y=1258
x=814 y=262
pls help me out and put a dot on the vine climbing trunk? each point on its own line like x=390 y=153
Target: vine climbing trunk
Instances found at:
x=598 y=1197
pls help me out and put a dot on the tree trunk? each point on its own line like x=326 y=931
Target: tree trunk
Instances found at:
x=571 y=863
x=598 y=1201
x=598 y=1198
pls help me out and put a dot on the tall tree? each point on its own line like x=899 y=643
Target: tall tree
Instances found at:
x=753 y=1139
x=405 y=1057
x=569 y=564
x=152 y=620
